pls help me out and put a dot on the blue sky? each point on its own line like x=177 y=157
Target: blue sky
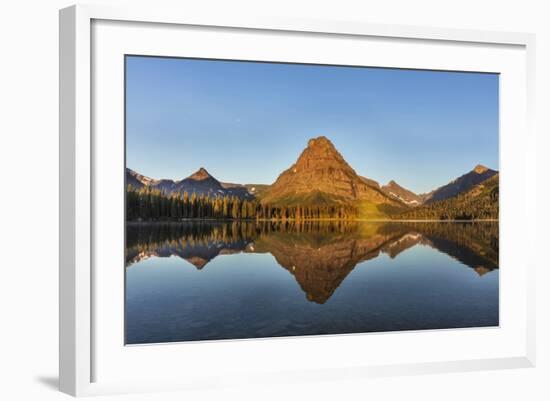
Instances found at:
x=246 y=122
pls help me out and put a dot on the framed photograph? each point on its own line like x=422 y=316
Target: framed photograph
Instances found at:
x=276 y=200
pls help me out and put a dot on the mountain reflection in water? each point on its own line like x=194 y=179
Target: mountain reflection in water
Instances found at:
x=320 y=255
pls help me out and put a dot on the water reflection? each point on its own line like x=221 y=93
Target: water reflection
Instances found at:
x=320 y=255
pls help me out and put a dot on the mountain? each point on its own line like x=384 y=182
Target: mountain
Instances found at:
x=321 y=176
x=200 y=183
x=240 y=190
x=479 y=202
x=137 y=180
x=256 y=189
x=404 y=195
x=370 y=182
x=460 y=185
x=322 y=185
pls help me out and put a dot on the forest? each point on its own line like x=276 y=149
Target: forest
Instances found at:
x=152 y=204
x=478 y=204
x=148 y=204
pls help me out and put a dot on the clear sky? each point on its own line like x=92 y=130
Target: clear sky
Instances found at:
x=247 y=122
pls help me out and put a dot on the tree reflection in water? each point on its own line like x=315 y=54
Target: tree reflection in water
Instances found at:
x=319 y=255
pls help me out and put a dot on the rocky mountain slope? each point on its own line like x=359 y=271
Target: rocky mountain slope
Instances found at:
x=479 y=202
x=200 y=183
x=371 y=182
x=404 y=195
x=460 y=185
x=322 y=176
x=321 y=184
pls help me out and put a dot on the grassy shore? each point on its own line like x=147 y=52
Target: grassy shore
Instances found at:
x=306 y=220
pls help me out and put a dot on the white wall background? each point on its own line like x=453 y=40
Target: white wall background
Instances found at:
x=29 y=196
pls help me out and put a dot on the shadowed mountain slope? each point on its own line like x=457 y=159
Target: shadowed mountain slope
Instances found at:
x=460 y=185
x=200 y=183
x=396 y=191
x=479 y=202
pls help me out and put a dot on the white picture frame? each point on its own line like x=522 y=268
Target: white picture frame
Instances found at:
x=80 y=152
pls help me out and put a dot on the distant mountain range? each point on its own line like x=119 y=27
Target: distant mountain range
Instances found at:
x=321 y=177
x=200 y=183
x=478 y=202
x=460 y=185
x=396 y=191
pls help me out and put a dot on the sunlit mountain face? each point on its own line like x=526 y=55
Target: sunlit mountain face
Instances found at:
x=230 y=280
x=321 y=184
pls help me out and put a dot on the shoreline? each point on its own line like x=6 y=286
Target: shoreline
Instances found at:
x=311 y=220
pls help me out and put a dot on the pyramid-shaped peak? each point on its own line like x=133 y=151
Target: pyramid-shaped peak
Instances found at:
x=200 y=174
x=321 y=175
x=480 y=169
x=320 y=141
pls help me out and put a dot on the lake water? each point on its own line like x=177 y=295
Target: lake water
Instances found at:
x=210 y=281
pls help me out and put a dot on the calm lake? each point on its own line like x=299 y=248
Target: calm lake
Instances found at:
x=229 y=280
